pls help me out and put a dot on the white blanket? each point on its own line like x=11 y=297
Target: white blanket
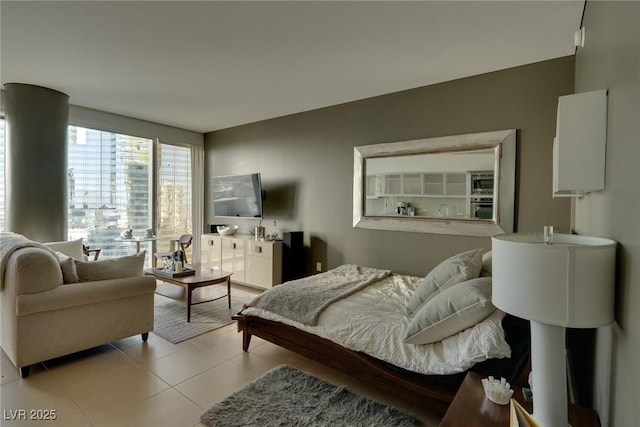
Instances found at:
x=303 y=300
x=373 y=321
x=11 y=242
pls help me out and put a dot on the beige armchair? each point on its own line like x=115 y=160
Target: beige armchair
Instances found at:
x=44 y=318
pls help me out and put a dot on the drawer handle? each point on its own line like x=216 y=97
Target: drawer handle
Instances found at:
x=258 y=249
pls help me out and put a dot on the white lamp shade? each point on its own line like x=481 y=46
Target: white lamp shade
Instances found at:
x=568 y=283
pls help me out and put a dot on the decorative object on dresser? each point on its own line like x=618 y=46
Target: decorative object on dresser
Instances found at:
x=259 y=232
x=213 y=228
x=227 y=230
x=565 y=282
x=285 y=396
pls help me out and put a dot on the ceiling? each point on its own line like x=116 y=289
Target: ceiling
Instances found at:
x=208 y=65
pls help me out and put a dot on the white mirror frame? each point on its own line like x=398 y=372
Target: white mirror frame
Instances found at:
x=503 y=222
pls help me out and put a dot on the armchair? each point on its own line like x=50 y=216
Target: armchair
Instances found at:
x=44 y=318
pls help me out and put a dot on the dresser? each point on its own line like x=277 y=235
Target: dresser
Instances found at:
x=252 y=262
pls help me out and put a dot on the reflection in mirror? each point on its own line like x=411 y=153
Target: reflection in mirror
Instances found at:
x=455 y=185
x=439 y=185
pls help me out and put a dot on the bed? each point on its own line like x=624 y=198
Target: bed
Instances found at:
x=368 y=328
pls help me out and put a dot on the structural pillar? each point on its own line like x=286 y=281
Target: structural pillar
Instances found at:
x=36 y=120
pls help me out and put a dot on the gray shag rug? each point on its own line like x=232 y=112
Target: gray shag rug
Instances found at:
x=285 y=396
x=170 y=316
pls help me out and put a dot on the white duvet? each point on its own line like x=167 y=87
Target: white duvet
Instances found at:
x=373 y=321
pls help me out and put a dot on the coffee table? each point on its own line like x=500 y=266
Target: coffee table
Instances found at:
x=200 y=279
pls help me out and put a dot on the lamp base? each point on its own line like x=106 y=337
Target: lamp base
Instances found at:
x=549 y=374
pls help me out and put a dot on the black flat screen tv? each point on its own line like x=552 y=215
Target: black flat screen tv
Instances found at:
x=237 y=196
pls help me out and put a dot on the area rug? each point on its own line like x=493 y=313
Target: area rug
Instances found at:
x=170 y=320
x=285 y=396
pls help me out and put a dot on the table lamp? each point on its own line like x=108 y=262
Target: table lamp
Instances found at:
x=555 y=282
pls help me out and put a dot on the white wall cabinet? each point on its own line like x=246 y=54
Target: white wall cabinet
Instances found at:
x=439 y=184
x=580 y=144
x=252 y=262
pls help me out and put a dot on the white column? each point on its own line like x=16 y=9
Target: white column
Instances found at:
x=36 y=161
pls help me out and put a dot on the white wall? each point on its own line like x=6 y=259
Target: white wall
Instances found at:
x=610 y=60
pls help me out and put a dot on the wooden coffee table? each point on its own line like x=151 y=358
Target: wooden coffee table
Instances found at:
x=198 y=280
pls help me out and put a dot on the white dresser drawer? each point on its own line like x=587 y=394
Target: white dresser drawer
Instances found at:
x=258 y=248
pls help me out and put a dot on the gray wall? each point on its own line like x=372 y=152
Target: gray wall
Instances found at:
x=306 y=161
x=610 y=60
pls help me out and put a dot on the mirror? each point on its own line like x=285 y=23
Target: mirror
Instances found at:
x=461 y=184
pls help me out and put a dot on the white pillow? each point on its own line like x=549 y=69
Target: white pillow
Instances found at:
x=71 y=248
x=115 y=268
x=69 y=273
x=451 y=311
x=487 y=267
x=455 y=269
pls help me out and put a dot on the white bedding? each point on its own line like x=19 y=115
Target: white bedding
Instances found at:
x=373 y=321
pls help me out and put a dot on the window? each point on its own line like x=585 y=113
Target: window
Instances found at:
x=109 y=188
x=174 y=194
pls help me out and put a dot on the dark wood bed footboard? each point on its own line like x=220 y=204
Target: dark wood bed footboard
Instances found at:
x=412 y=386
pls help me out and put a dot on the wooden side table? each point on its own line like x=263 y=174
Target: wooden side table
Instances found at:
x=470 y=408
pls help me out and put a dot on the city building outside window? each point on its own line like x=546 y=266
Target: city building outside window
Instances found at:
x=110 y=190
x=110 y=187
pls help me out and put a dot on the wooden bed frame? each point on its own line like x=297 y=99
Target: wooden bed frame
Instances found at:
x=413 y=386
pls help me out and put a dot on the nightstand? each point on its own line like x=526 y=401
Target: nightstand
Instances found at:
x=470 y=408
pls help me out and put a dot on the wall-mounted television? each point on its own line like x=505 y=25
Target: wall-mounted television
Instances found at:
x=237 y=196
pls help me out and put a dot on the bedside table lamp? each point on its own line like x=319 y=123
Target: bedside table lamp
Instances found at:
x=568 y=282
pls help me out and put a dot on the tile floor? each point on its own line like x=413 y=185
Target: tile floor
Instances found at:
x=131 y=383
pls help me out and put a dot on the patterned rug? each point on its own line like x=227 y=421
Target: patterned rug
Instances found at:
x=285 y=396
x=171 y=315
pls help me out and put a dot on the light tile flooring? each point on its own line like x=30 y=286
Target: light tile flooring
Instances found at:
x=131 y=383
